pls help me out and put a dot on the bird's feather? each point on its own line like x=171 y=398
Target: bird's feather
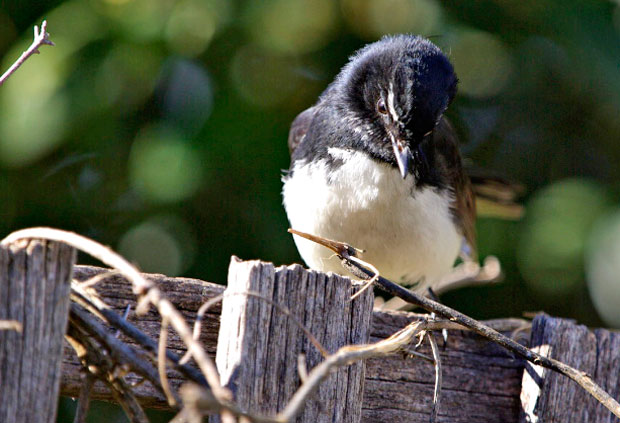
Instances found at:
x=299 y=127
x=464 y=204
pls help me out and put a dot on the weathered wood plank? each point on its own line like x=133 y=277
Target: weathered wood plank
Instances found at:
x=395 y=388
x=187 y=294
x=481 y=381
x=550 y=397
x=34 y=290
x=258 y=346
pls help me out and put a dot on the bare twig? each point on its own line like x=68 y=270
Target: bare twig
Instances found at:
x=103 y=367
x=161 y=362
x=345 y=251
x=125 y=398
x=40 y=38
x=123 y=354
x=84 y=400
x=302 y=370
x=198 y=322
x=97 y=307
x=370 y=281
x=98 y=278
x=125 y=315
x=10 y=325
x=198 y=401
x=412 y=352
x=466 y=274
x=438 y=376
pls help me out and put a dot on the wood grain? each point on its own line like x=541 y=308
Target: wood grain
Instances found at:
x=258 y=346
x=187 y=294
x=481 y=381
x=548 y=396
x=34 y=290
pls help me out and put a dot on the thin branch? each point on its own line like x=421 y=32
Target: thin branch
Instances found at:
x=116 y=349
x=10 y=325
x=198 y=323
x=125 y=316
x=100 y=252
x=84 y=400
x=89 y=283
x=345 y=251
x=98 y=307
x=198 y=402
x=466 y=274
x=40 y=38
x=103 y=366
x=370 y=281
x=302 y=370
x=438 y=376
x=412 y=352
x=125 y=398
x=161 y=362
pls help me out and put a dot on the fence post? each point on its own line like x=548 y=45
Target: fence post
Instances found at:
x=259 y=346
x=35 y=286
x=548 y=396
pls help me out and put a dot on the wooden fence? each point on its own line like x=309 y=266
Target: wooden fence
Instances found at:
x=258 y=348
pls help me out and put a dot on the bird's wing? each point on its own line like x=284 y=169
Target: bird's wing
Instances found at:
x=496 y=196
x=464 y=206
x=299 y=127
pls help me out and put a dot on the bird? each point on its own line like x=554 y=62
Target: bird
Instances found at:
x=376 y=164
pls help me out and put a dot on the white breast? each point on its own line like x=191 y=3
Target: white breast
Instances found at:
x=408 y=235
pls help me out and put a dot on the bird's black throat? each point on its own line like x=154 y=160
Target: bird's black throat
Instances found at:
x=346 y=133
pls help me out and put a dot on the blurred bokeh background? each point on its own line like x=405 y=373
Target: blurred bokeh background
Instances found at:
x=159 y=128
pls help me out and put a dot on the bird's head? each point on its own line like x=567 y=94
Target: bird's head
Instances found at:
x=399 y=87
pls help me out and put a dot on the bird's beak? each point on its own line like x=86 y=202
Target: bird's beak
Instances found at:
x=403 y=155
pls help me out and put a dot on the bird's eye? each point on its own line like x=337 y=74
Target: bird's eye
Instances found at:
x=381 y=107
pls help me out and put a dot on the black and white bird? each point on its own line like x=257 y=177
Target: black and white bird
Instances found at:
x=376 y=165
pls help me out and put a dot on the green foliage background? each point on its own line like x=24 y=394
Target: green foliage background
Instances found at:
x=159 y=128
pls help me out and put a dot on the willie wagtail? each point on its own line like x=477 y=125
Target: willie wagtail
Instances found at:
x=375 y=164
